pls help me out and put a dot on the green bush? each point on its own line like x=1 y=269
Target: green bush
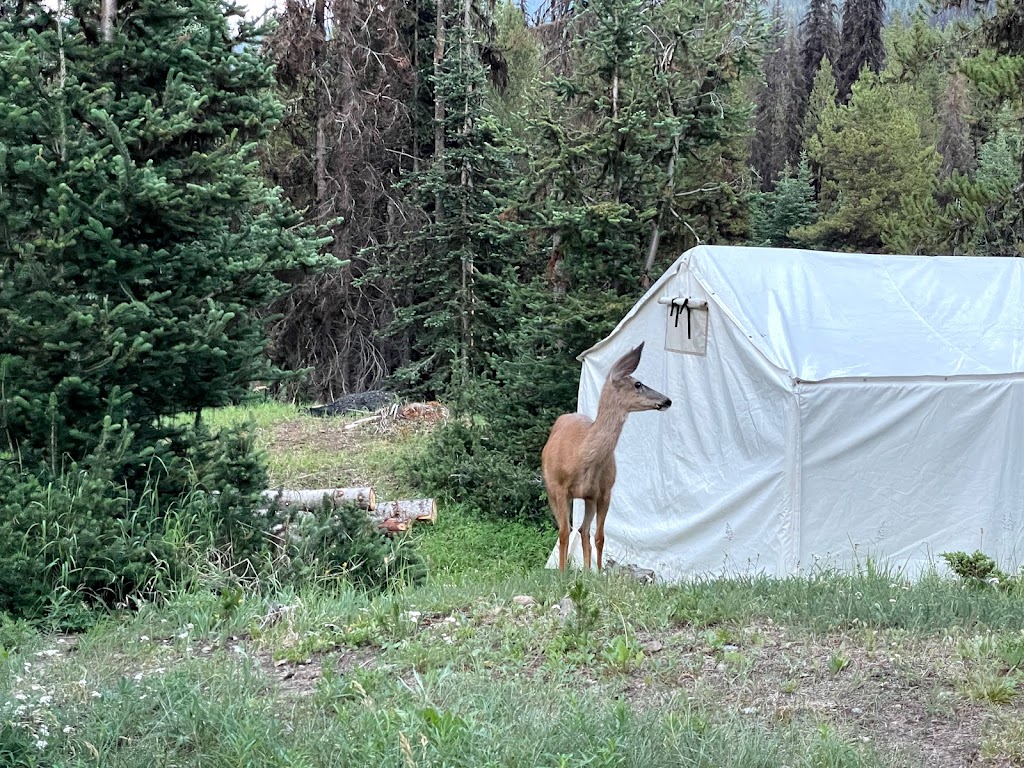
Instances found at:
x=84 y=533
x=977 y=568
x=342 y=543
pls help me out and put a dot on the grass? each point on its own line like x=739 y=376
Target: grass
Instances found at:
x=830 y=669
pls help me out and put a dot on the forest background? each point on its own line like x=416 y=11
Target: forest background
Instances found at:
x=508 y=184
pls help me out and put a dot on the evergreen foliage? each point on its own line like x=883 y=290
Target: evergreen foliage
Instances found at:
x=777 y=135
x=821 y=106
x=820 y=39
x=791 y=205
x=452 y=272
x=873 y=165
x=137 y=240
x=341 y=543
x=974 y=215
x=955 y=143
x=860 y=45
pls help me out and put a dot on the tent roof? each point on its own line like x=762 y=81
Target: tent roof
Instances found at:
x=822 y=315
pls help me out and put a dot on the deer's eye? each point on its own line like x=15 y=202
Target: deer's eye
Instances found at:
x=638 y=386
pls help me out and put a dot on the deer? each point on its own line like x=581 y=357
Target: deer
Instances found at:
x=578 y=460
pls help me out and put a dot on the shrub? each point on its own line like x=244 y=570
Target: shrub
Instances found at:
x=977 y=568
x=342 y=543
x=84 y=532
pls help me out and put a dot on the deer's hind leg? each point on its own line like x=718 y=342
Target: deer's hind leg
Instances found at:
x=561 y=505
x=588 y=519
x=602 y=512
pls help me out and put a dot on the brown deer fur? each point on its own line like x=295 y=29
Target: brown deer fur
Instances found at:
x=578 y=460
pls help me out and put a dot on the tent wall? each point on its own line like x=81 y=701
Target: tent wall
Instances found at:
x=902 y=471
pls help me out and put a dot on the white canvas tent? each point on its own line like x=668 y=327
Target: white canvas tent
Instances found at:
x=826 y=408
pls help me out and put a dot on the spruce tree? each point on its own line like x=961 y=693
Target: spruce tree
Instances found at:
x=449 y=274
x=138 y=235
x=777 y=139
x=861 y=44
x=819 y=39
x=790 y=206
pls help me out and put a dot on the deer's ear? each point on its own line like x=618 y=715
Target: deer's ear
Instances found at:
x=626 y=364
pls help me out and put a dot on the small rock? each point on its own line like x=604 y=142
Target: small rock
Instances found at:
x=566 y=608
x=856 y=711
x=653 y=646
x=730 y=647
x=525 y=601
x=749 y=710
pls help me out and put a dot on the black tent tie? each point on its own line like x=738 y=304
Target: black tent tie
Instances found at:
x=677 y=310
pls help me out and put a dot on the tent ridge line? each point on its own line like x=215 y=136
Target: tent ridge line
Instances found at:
x=933 y=378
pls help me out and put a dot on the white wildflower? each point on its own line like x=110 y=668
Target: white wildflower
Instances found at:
x=40 y=744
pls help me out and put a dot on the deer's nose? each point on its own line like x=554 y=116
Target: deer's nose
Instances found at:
x=665 y=404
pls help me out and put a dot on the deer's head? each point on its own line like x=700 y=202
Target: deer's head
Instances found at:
x=632 y=394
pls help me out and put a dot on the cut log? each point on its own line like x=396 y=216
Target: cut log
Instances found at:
x=409 y=510
x=312 y=500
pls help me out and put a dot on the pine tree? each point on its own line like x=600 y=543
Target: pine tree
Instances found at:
x=139 y=236
x=873 y=163
x=821 y=109
x=451 y=273
x=954 y=142
x=776 y=141
x=861 y=43
x=819 y=40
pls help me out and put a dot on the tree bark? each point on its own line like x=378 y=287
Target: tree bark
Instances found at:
x=395 y=516
x=108 y=12
x=670 y=185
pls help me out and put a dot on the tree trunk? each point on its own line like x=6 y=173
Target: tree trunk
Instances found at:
x=438 y=101
x=670 y=185
x=108 y=12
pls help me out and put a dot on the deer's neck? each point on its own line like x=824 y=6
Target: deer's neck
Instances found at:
x=599 y=444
